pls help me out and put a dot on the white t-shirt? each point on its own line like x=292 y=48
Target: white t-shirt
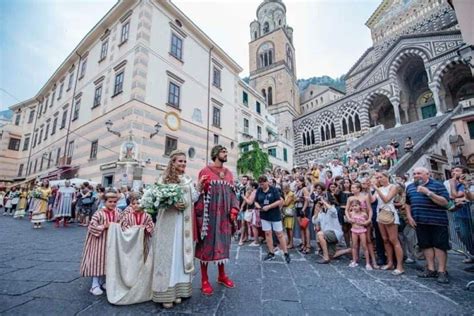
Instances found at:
x=329 y=221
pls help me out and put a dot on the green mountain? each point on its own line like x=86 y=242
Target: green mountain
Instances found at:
x=338 y=83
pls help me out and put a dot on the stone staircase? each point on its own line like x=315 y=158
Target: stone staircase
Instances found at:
x=424 y=134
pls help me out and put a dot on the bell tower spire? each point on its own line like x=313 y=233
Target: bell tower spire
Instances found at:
x=272 y=64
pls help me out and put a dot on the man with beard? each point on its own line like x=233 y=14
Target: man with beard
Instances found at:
x=216 y=208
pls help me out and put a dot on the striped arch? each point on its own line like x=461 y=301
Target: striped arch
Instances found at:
x=372 y=95
x=303 y=131
x=400 y=58
x=442 y=69
x=364 y=110
x=327 y=120
x=350 y=118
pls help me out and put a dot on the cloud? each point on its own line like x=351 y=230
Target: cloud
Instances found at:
x=36 y=36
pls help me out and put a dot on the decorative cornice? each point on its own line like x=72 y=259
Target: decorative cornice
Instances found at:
x=175 y=77
x=216 y=63
x=120 y=65
x=99 y=80
x=178 y=30
x=126 y=16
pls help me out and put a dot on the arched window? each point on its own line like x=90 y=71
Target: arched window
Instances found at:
x=351 y=125
x=357 y=122
x=265 y=54
x=308 y=140
x=264 y=94
x=270 y=96
x=289 y=57
x=313 y=141
x=255 y=35
x=279 y=22
x=344 y=126
x=304 y=139
x=323 y=138
x=328 y=133
x=333 y=131
x=266 y=28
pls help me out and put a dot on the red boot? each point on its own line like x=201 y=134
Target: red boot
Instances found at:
x=206 y=287
x=56 y=223
x=64 y=221
x=223 y=278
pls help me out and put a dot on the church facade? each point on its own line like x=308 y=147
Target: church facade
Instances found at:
x=413 y=71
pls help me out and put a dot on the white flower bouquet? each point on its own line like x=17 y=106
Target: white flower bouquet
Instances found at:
x=161 y=196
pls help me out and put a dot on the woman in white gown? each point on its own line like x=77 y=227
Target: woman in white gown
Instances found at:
x=166 y=276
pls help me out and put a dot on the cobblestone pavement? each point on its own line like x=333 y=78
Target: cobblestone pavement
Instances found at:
x=39 y=275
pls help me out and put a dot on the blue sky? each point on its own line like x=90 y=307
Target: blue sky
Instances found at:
x=37 y=35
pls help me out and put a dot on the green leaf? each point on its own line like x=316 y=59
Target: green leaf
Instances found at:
x=254 y=161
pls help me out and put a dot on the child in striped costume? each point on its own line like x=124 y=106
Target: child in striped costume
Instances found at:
x=136 y=216
x=93 y=256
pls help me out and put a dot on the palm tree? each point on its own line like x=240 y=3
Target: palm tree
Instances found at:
x=254 y=160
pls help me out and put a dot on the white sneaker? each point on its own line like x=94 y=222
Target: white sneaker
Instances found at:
x=253 y=244
x=409 y=261
x=278 y=252
x=96 y=291
x=353 y=264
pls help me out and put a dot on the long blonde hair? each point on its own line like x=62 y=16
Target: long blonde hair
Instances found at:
x=171 y=175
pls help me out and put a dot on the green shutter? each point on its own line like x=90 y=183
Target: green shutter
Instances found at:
x=470 y=125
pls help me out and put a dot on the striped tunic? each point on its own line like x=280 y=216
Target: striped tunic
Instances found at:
x=132 y=218
x=93 y=256
x=423 y=209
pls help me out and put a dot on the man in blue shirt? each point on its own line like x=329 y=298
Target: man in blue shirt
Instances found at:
x=426 y=212
x=268 y=200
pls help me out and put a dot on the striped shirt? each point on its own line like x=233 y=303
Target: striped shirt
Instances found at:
x=423 y=209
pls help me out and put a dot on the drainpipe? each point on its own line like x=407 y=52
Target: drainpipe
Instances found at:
x=72 y=107
x=208 y=104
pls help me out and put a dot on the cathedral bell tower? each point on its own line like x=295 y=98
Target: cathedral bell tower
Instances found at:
x=272 y=64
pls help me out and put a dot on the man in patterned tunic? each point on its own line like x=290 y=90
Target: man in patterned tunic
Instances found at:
x=216 y=208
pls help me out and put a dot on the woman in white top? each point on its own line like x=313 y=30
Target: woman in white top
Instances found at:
x=385 y=193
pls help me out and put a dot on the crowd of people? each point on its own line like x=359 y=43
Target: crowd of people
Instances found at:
x=62 y=204
x=355 y=208
x=345 y=207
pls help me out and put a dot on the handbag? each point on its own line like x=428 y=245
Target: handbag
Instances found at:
x=304 y=223
x=385 y=216
x=15 y=200
x=288 y=211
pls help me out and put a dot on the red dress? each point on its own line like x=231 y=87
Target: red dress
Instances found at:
x=212 y=212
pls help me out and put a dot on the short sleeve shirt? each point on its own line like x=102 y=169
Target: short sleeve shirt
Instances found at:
x=267 y=198
x=423 y=209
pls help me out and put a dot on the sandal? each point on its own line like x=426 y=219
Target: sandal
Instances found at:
x=397 y=272
x=386 y=267
x=167 y=305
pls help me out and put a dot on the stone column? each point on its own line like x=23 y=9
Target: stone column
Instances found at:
x=396 y=109
x=437 y=99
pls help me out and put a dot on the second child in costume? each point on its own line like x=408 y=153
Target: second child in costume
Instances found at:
x=136 y=216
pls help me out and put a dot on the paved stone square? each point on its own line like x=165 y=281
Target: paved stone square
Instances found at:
x=39 y=275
